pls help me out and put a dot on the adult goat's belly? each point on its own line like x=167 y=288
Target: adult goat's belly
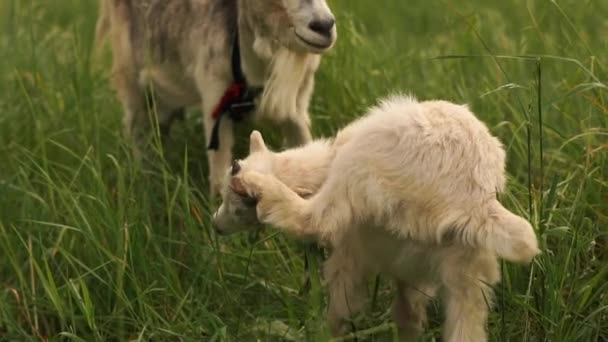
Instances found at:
x=171 y=85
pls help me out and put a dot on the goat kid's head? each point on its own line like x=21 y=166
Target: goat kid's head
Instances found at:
x=300 y=25
x=238 y=210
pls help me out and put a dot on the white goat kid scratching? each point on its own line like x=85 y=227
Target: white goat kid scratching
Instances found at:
x=187 y=53
x=408 y=191
x=238 y=210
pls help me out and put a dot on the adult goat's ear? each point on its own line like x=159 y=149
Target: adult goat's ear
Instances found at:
x=256 y=142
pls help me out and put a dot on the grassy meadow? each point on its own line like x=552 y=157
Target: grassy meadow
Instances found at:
x=95 y=246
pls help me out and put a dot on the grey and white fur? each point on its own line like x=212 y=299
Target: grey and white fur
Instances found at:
x=181 y=49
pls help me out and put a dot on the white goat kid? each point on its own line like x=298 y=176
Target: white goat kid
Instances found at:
x=409 y=191
x=182 y=50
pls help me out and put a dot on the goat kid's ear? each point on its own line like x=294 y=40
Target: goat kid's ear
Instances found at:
x=303 y=192
x=256 y=142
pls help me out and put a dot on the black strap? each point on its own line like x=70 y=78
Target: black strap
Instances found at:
x=238 y=108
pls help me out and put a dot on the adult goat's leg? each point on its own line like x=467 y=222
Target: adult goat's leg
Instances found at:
x=219 y=160
x=296 y=131
x=136 y=125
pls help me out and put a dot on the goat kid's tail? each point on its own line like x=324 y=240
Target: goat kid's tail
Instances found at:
x=495 y=228
x=509 y=235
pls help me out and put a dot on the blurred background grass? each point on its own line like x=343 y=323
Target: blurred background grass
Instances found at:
x=93 y=246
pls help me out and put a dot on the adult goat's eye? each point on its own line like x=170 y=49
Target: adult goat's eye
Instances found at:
x=236 y=167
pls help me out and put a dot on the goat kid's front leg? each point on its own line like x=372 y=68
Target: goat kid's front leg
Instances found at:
x=345 y=276
x=279 y=206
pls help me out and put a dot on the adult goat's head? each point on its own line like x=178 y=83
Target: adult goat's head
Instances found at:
x=300 y=25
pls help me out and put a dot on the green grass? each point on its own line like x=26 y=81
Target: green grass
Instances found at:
x=94 y=246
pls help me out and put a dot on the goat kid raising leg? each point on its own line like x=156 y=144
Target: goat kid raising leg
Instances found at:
x=323 y=217
x=280 y=206
x=345 y=275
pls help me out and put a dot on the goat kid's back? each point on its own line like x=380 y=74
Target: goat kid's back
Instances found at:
x=432 y=170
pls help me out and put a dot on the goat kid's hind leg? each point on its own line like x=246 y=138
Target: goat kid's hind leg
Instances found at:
x=409 y=309
x=467 y=285
x=321 y=217
x=278 y=205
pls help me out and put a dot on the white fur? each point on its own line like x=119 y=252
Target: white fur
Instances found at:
x=283 y=86
x=409 y=191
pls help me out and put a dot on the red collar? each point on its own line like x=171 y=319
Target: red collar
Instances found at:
x=233 y=94
x=237 y=99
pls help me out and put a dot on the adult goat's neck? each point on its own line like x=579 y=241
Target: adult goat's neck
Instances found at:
x=256 y=51
x=284 y=74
